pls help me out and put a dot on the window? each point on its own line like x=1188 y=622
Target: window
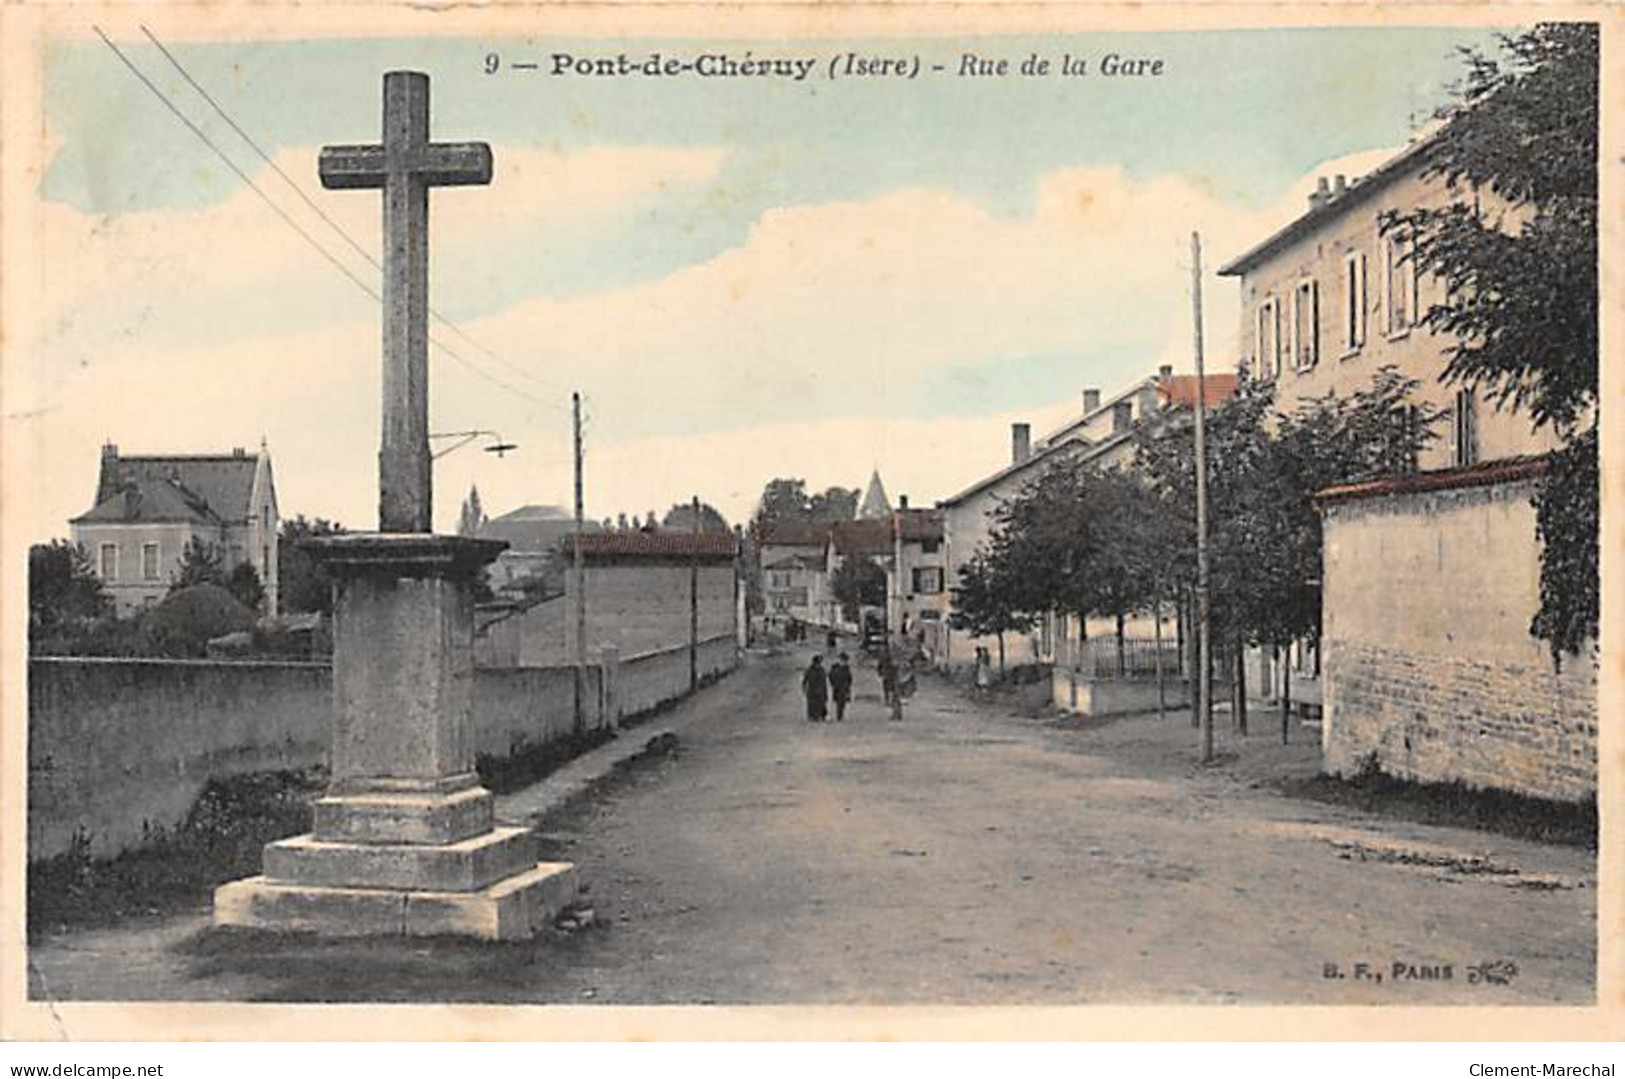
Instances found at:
x=1405 y=440
x=1466 y=428
x=930 y=546
x=265 y=560
x=149 y=561
x=265 y=517
x=928 y=580
x=930 y=616
x=1354 y=301
x=109 y=561
x=780 y=578
x=1306 y=324
x=1267 y=361
x=1398 y=285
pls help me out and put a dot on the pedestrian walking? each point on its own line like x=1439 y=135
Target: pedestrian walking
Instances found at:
x=829 y=641
x=840 y=685
x=984 y=672
x=815 y=685
x=889 y=685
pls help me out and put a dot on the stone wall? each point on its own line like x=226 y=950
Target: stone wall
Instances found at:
x=516 y=707
x=646 y=681
x=644 y=606
x=118 y=749
x=1429 y=669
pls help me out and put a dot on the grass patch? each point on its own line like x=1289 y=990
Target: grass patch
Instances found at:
x=532 y=762
x=1518 y=816
x=220 y=840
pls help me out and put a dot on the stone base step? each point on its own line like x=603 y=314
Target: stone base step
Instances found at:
x=465 y=866
x=514 y=908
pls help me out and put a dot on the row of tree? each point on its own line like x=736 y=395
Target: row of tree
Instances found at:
x=1110 y=542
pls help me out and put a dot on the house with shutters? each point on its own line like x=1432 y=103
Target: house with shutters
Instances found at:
x=1425 y=664
x=149 y=508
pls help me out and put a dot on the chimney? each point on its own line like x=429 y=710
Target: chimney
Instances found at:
x=237 y=451
x=107 y=475
x=1091 y=401
x=1021 y=442
x=1321 y=195
x=1340 y=184
x=1165 y=372
x=902 y=502
x=1122 y=416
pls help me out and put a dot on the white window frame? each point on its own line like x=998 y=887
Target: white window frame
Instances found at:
x=1312 y=287
x=151 y=547
x=1354 y=302
x=920 y=577
x=1395 y=249
x=1267 y=331
x=102 y=551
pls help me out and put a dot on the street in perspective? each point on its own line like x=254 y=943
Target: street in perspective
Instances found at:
x=1147 y=568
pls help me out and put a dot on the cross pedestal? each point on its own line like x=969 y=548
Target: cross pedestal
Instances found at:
x=405 y=840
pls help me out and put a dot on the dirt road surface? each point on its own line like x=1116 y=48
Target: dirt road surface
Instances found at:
x=967 y=855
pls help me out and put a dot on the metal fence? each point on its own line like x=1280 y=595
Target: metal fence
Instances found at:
x=1136 y=657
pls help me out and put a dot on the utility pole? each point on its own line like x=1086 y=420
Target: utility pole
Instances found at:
x=1204 y=645
x=578 y=571
x=694 y=603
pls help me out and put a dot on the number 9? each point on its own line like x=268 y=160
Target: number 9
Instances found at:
x=492 y=62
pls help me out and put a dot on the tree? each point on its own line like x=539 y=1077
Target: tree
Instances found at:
x=63 y=589
x=1520 y=278
x=190 y=617
x=859 y=582
x=681 y=518
x=982 y=603
x=472 y=518
x=302 y=584
x=782 y=500
x=834 y=504
x=200 y=564
x=243 y=582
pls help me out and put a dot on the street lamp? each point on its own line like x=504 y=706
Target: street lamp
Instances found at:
x=497 y=446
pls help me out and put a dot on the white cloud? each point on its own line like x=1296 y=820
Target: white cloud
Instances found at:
x=824 y=309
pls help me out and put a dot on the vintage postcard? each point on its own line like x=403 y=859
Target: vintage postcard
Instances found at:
x=1045 y=521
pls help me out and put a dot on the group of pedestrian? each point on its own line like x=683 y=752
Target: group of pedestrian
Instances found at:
x=820 y=685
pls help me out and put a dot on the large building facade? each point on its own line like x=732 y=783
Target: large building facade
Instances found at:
x=1425 y=665
x=149 y=508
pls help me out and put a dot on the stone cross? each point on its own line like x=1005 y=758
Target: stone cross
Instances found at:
x=405 y=166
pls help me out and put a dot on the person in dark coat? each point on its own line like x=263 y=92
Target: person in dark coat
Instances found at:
x=840 y=685
x=815 y=684
x=890 y=684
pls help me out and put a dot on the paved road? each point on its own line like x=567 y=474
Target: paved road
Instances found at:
x=967 y=855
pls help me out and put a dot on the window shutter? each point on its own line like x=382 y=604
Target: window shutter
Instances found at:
x=1314 y=322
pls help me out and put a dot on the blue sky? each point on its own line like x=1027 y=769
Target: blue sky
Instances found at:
x=890 y=260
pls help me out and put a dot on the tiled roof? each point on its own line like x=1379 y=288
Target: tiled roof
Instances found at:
x=796 y=532
x=1485 y=474
x=529 y=534
x=710 y=546
x=862 y=537
x=150 y=501
x=1179 y=391
x=224 y=482
x=796 y=561
x=917 y=525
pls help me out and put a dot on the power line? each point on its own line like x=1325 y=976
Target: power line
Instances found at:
x=344 y=234
x=303 y=233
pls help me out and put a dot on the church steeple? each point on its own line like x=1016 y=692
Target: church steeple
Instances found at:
x=875 y=505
